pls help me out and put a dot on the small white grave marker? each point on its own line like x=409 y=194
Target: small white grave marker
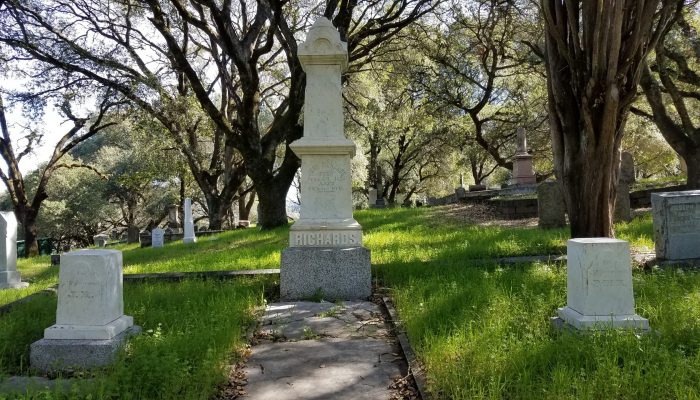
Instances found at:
x=599 y=285
x=189 y=223
x=157 y=237
x=9 y=276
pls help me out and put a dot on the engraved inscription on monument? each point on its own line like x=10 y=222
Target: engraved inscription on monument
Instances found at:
x=683 y=218
x=603 y=278
x=327 y=178
x=331 y=238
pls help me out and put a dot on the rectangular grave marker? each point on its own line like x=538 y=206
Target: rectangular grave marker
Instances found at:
x=599 y=285
x=677 y=225
x=157 y=237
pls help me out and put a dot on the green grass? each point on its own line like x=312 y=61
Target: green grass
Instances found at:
x=192 y=331
x=38 y=272
x=482 y=331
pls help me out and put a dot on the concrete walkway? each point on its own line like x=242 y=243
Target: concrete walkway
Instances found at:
x=323 y=350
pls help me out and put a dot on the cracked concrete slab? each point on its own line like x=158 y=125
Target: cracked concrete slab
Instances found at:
x=323 y=351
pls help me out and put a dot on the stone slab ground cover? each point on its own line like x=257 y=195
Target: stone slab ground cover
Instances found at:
x=308 y=350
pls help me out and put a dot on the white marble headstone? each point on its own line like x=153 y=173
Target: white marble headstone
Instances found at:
x=157 y=237
x=326 y=188
x=189 y=236
x=9 y=276
x=90 y=296
x=599 y=285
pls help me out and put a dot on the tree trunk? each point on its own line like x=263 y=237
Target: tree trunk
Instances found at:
x=272 y=189
x=693 y=163
x=244 y=206
x=31 y=245
x=216 y=212
x=272 y=204
x=594 y=56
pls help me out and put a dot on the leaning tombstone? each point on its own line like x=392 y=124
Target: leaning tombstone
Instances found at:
x=157 y=237
x=9 y=276
x=676 y=217
x=90 y=322
x=551 y=208
x=325 y=253
x=599 y=286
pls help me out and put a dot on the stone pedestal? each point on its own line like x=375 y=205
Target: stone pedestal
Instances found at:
x=90 y=321
x=461 y=192
x=9 y=276
x=189 y=223
x=676 y=225
x=599 y=286
x=523 y=173
x=326 y=242
x=157 y=237
x=334 y=272
x=551 y=208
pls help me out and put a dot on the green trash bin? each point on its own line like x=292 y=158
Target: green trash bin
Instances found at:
x=45 y=246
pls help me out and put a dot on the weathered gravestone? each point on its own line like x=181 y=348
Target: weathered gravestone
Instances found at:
x=9 y=276
x=676 y=218
x=90 y=322
x=523 y=173
x=551 y=208
x=461 y=191
x=189 y=223
x=145 y=238
x=372 y=196
x=100 y=240
x=174 y=218
x=157 y=237
x=599 y=285
x=132 y=234
x=325 y=254
x=623 y=211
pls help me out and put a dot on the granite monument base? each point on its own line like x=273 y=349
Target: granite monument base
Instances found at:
x=11 y=280
x=585 y=322
x=65 y=355
x=335 y=272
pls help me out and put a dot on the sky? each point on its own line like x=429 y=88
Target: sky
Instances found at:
x=52 y=125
